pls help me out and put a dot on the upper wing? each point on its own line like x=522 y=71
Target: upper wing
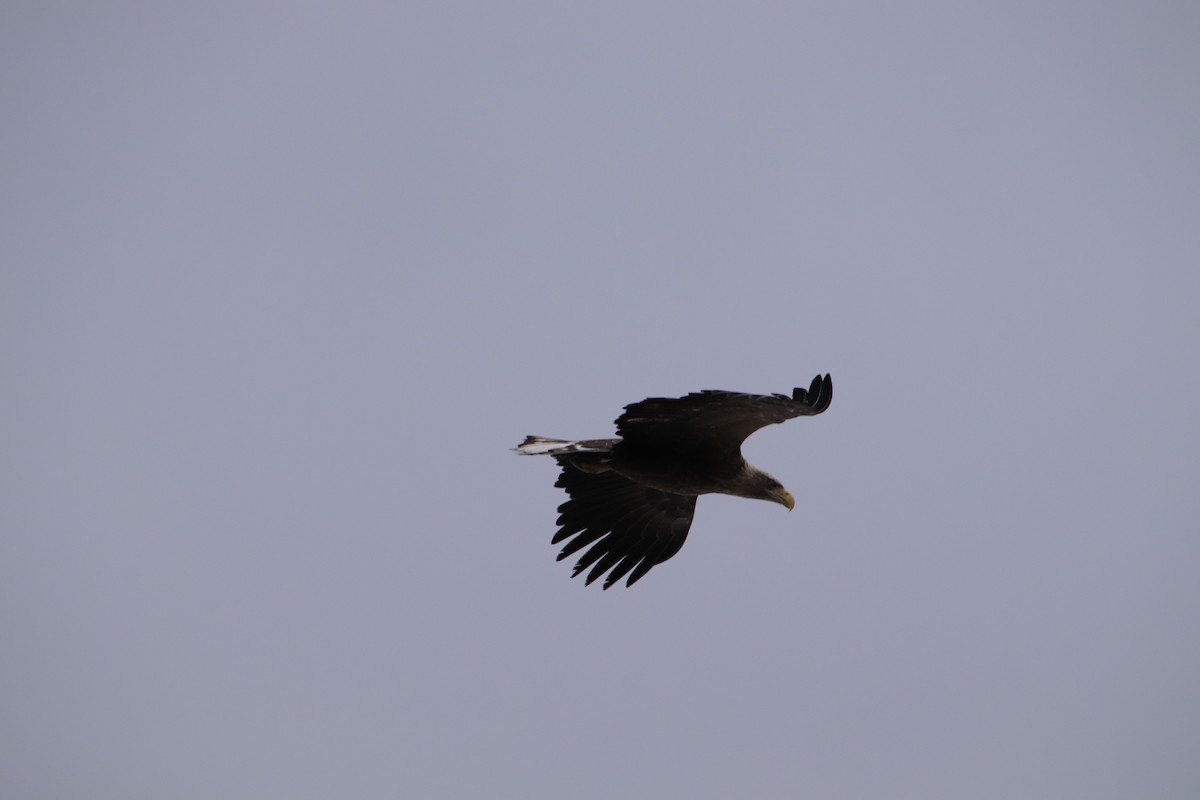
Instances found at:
x=725 y=416
x=633 y=527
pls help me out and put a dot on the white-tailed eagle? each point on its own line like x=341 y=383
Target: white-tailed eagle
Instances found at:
x=632 y=498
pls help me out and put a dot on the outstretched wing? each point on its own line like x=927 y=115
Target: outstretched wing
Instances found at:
x=630 y=527
x=724 y=417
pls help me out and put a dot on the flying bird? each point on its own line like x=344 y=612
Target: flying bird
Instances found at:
x=632 y=498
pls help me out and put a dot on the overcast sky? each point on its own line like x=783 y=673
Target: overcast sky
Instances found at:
x=282 y=283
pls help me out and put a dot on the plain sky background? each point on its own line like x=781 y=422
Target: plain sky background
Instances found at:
x=282 y=283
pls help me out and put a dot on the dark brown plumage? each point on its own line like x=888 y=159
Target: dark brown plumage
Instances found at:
x=632 y=498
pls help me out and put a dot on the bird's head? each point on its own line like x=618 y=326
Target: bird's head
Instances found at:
x=763 y=487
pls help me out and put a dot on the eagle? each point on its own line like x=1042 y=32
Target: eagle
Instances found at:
x=631 y=499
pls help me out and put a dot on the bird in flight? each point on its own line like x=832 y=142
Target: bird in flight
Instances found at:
x=632 y=498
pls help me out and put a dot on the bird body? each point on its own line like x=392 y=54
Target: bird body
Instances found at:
x=632 y=498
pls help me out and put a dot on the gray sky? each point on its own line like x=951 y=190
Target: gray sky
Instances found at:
x=282 y=283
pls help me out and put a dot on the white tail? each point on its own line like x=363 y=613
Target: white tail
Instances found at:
x=539 y=446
